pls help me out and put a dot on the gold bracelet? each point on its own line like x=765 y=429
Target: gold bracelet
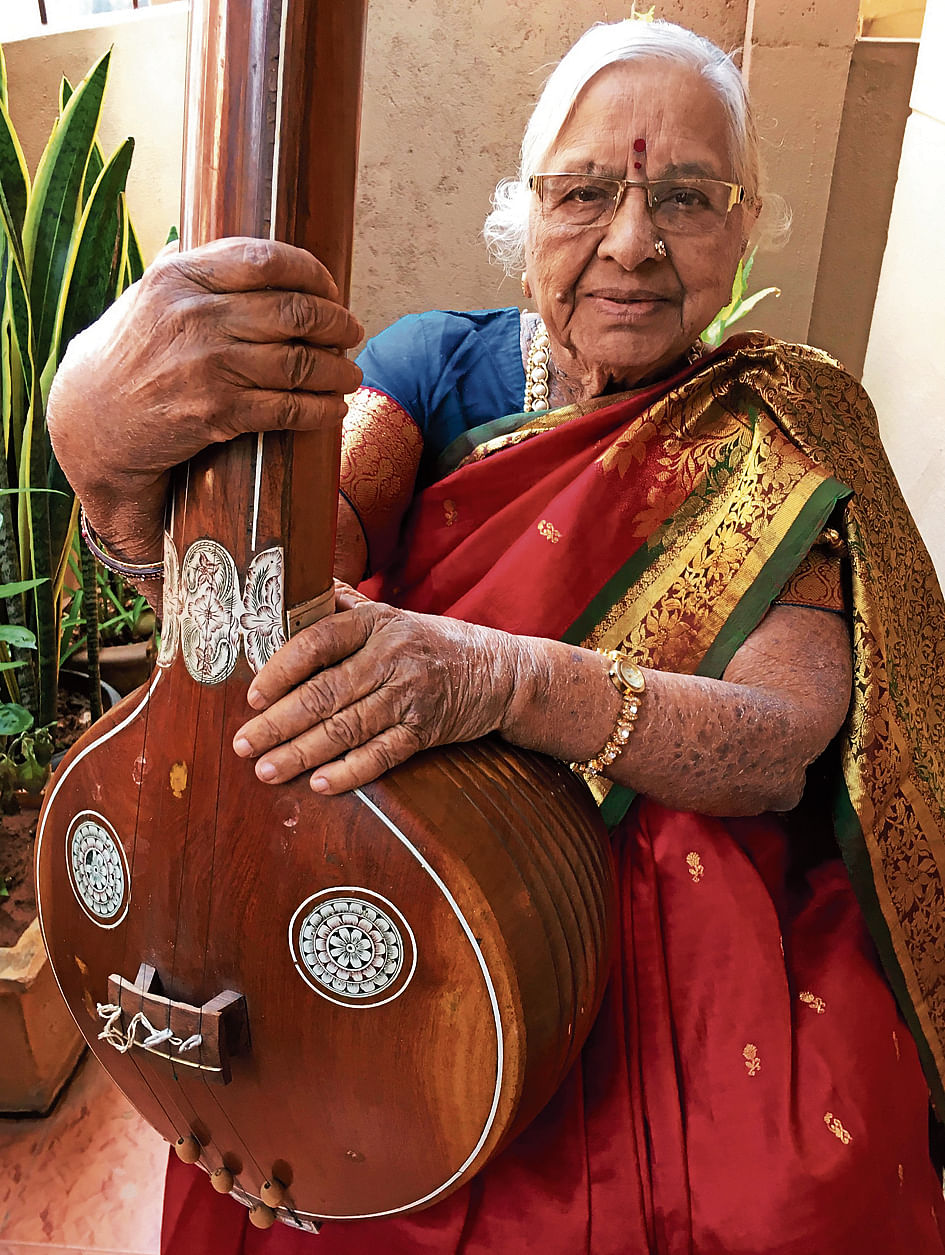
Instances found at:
x=629 y=681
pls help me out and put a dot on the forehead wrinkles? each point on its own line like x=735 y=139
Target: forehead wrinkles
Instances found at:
x=672 y=108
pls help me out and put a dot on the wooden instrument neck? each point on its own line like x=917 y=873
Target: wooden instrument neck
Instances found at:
x=270 y=150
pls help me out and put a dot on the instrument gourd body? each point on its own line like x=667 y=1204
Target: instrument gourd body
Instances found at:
x=340 y=1007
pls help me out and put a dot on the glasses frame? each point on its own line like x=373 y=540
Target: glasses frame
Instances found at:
x=736 y=192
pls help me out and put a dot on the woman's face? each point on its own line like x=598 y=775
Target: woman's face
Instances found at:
x=616 y=311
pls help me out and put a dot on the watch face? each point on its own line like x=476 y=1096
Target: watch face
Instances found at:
x=628 y=675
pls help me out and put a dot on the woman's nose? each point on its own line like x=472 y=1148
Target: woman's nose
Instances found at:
x=631 y=237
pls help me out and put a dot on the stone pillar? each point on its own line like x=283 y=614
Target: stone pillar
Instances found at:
x=797 y=63
x=861 y=196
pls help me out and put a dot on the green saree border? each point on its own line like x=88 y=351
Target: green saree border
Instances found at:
x=782 y=564
x=613 y=591
x=852 y=843
x=468 y=441
x=746 y=614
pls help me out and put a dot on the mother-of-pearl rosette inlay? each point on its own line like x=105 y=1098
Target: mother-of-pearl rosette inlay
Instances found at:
x=353 y=947
x=207 y=617
x=98 y=868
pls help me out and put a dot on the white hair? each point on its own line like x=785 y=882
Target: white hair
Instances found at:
x=604 y=44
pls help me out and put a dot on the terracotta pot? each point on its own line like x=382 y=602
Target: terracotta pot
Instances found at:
x=41 y=1044
x=75 y=681
x=124 y=667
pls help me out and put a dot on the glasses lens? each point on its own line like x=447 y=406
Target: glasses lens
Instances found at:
x=694 y=208
x=578 y=201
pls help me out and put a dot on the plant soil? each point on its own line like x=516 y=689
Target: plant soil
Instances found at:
x=16 y=872
x=17 y=831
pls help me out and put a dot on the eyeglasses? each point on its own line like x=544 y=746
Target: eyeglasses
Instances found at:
x=686 y=206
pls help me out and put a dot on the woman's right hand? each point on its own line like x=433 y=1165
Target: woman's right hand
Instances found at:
x=237 y=335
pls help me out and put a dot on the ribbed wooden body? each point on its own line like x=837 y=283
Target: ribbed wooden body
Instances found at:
x=490 y=863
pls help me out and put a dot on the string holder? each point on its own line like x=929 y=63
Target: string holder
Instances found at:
x=309 y=612
x=138 y=1016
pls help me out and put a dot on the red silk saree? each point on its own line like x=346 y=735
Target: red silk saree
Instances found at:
x=750 y=1085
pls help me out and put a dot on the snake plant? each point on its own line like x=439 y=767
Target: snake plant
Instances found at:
x=67 y=250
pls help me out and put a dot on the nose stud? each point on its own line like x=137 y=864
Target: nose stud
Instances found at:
x=660 y=248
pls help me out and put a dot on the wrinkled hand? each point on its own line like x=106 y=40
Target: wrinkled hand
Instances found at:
x=365 y=688
x=238 y=335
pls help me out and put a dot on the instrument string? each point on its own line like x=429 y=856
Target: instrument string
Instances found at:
x=177 y=1117
x=234 y=688
x=139 y=773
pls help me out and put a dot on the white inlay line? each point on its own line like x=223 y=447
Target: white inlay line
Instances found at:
x=493 y=999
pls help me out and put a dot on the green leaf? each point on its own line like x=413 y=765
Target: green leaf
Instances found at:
x=22 y=324
x=6 y=349
x=12 y=666
x=16 y=492
x=135 y=259
x=96 y=160
x=15 y=587
x=14 y=178
x=22 y=637
x=738 y=306
x=749 y=303
x=55 y=204
x=32 y=773
x=3 y=76
x=14 y=719
x=88 y=283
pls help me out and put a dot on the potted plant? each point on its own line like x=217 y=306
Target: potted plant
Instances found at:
x=119 y=618
x=67 y=249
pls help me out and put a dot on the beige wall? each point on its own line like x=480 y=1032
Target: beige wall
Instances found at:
x=905 y=362
x=892 y=19
x=446 y=100
x=145 y=99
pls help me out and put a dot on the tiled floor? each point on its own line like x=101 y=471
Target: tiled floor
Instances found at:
x=85 y=1179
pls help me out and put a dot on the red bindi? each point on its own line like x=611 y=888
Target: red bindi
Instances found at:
x=639 y=145
x=638 y=165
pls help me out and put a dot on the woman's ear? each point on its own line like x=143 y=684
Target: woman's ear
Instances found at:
x=752 y=212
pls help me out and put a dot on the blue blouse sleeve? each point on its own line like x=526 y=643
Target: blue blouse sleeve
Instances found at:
x=450 y=371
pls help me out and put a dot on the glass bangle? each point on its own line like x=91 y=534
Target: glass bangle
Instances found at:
x=130 y=570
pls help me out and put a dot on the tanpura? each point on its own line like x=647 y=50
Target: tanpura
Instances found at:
x=339 y=1007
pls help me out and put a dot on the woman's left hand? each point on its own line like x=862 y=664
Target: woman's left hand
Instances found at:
x=364 y=689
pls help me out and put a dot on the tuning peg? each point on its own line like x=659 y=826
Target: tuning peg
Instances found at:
x=222 y=1180
x=272 y=1192
x=187 y=1149
x=261 y=1216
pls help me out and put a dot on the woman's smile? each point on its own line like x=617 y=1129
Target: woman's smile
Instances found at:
x=627 y=306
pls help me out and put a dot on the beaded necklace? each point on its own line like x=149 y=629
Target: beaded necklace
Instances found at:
x=537 y=371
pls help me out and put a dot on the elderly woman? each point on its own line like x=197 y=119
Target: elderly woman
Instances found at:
x=592 y=527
